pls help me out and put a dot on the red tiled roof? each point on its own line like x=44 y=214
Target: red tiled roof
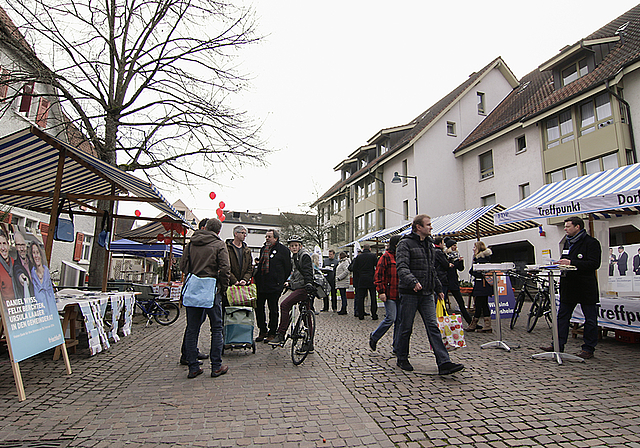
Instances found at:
x=536 y=93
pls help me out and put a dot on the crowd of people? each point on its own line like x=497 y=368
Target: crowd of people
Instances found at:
x=413 y=273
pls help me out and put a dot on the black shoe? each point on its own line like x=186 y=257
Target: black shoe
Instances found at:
x=405 y=365
x=374 y=317
x=277 y=340
x=324 y=310
x=195 y=374
x=302 y=350
x=361 y=317
x=261 y=336
x=202 y=356
x=221 y=371
x=449 y=367
x=185 y=363
x=547 y=348
x=366 y=314
x=372 y=343
x=342 y=313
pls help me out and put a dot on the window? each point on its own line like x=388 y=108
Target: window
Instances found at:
x=86 y=247
x=559 y=129
x=488 y=200
x=404 y=172
x=4 y=86
x=371 y=221
x=451 y=128
x=359 y=193
x=595 y=113
x=601 y=164
x=521 y=144
x=343 y=203
x=486 y=165
x=525 y=190
x=574 y=71
x=481 y=110
x=335 y=205
x=565 y=173
x=384 y=147
x=360 y=229
x=371 y=188
x=27 y=95
x=405 y=210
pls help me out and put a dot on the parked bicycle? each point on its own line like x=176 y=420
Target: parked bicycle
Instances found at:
x=541 y=306
x=529 y=284
x=165 y=312
x=301 y=331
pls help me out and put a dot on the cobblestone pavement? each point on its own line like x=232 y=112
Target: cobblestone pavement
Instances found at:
x=344 y=395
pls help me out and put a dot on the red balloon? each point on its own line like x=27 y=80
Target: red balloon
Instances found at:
x=219 y=212
x=212 y=195
x=221 y=204
x=167 y=226
x=167 y=240
x=222 y=218
x=138 y=213
x=160 y=237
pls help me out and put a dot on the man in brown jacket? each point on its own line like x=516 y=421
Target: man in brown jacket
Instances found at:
x=239 y=257
x=206 y=256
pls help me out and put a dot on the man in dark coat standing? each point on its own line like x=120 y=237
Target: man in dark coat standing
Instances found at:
x=364 y=268
x=623 y=259
x=272 y=270
x=579 y=285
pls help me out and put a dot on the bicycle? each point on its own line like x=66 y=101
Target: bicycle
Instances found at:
x=162 y=311
x=525 y=292
x=541 y=306
x=301 y=332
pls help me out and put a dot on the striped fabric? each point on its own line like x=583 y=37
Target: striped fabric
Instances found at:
x=608 y=193
x=28 y=163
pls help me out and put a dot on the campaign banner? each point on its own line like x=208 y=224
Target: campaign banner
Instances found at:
x=506 y=298
x=618 y=313
x=29 y=312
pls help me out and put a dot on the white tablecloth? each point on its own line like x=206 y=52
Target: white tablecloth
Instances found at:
x=93 y=307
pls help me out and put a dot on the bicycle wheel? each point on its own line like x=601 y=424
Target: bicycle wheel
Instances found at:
x=546 y=309
x=302 y=337
x=517 y=309
x=534 y=313
x=166 y=313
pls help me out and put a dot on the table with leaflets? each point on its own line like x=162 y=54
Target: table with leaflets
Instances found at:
x=94 y=307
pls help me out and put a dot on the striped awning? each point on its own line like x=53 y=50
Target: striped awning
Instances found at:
x=474 y=223
x=28 y=171
x=148 y=233
x=610 y=192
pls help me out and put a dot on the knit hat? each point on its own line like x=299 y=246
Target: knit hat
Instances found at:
x=450 y=242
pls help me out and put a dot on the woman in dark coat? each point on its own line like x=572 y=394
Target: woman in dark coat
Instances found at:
x=482 y=289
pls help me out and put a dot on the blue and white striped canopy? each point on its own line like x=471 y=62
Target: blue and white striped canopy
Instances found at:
x=606 y=191
x=473 y=223
x=28 y=168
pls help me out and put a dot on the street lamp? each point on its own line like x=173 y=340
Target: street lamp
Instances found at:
x=397 y=178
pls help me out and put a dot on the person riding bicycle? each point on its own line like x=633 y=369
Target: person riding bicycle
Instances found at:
x=300 y=285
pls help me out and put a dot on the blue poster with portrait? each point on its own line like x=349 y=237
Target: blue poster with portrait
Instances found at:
x=29 y=313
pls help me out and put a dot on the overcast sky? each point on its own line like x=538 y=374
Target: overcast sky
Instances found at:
x=329 y=75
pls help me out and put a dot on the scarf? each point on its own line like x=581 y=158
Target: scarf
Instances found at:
x=264 y=260
x=577 y=237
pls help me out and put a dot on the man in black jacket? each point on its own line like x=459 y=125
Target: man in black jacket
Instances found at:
x=272 y=270
x=364 y=268
x=579 y=286
x=417 y=282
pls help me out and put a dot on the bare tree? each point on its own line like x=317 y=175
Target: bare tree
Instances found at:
x=306 y=225
x=148 y=82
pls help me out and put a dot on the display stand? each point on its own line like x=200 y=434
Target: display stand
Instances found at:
x=556 y=353
x=494 y=268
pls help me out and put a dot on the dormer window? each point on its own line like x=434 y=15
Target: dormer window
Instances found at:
x=576 y=70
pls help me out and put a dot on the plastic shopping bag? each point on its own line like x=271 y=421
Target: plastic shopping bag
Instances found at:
x=450 y=326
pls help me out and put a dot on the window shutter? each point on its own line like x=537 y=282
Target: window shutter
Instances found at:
x=77 y=251
x=25 y=103
x=43 y=113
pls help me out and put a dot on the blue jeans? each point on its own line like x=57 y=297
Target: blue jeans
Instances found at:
x=194 y=322
x=390 y=309
x=425 y=305
x=590 y=333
